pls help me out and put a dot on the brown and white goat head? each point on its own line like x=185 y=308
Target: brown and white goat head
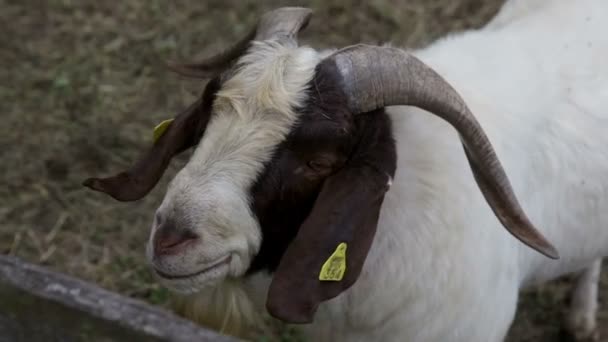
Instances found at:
x=293 y=155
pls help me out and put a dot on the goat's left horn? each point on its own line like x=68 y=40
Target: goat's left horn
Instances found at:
x=375 y=77
x=215 y=64
x=282 y=24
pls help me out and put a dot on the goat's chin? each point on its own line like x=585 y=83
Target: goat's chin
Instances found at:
x=201 y=277
x=197 y=282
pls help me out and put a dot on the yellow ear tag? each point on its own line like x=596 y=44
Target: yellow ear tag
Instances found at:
x=334 y=267
x=161 y=128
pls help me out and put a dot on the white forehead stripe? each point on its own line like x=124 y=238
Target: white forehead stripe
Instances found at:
x=269 y=77
x=253 y=112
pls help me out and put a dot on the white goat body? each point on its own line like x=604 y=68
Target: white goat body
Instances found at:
x=441 y=267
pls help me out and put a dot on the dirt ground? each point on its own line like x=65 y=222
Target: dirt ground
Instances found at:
x=83 y=83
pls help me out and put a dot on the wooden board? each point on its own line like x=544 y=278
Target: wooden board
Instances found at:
x=37 y=304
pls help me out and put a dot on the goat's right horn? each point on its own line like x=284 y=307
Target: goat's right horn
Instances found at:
x=375 y=77
x=282 y=24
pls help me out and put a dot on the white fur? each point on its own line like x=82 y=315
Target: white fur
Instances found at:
x=513 y=10
x=442 y=268
x=581 y=320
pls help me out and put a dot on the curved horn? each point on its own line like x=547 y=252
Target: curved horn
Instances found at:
x=375 y=77
x=282 y=24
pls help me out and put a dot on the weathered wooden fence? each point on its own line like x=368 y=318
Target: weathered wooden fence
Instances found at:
x=37 y=304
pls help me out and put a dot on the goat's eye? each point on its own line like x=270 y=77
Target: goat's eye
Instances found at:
x=320 y=165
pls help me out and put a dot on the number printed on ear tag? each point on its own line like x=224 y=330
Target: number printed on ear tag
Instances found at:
x=334 y=267
x=161 y=128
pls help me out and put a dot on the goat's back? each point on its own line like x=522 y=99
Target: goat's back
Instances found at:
x=539 y=87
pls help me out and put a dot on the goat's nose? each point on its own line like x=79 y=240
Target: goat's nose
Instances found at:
x=172 y=241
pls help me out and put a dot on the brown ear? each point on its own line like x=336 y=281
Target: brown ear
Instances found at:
x=185 y=131
x=342 y=224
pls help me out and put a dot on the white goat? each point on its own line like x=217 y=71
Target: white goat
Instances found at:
x=286 y=170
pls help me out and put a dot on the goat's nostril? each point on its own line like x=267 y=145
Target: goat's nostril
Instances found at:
x=172 y=241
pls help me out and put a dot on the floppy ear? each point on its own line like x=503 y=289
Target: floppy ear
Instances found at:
x=328 y=253
x=183 y=132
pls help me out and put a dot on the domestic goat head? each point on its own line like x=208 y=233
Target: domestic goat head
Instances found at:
x=293 y=156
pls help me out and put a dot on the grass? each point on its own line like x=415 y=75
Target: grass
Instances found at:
x=83 y=84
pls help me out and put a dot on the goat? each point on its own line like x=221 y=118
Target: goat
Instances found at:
x=321 y=190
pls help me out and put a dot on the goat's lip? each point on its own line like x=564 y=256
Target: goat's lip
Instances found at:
x=220 y=262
